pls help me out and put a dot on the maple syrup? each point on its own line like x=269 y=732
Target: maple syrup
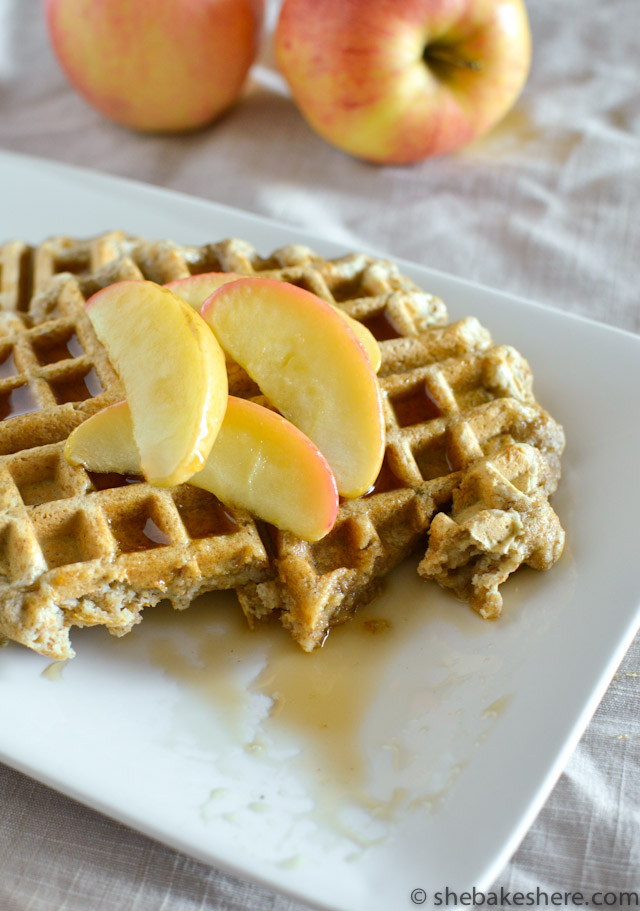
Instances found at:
x=76 y=387
x=7 y=364
x=381 y=326
x=138 y=531
x=387 y=479
x=415 y=406
x=50 y=351
x=109 y=480
x=16 y=401
x=202 y=514
x=155 y=534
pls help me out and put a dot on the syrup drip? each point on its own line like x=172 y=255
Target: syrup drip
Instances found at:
x=416 y=406
x=203 y=515
x=19 y=400
x=7 y=364
x=387 y=480
x=109 y=480
x=76 y=388
x=59 y=350
x=155 y=534
x=381 y=326
x=137 y=531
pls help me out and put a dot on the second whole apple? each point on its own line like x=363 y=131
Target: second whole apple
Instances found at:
x=398 y=82
x=163 y=66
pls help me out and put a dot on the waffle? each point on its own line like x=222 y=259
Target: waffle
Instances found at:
x=500 y=519
x=459 y=409
x=82 y=549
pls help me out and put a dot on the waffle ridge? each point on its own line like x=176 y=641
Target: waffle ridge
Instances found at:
x=464 y=438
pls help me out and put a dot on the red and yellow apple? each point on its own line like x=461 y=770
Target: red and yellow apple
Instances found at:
x=259 y=462
x=395 y=83
x=166 y=65
x=310 y=366
x=173 y=371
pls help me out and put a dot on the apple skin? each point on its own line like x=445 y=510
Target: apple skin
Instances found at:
x=195 y=289
x=166 y=66
x=370 y=75
x=310 y=366
x=259 y=462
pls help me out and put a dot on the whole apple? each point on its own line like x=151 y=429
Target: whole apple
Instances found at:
x=166 y=65
x=397 y=81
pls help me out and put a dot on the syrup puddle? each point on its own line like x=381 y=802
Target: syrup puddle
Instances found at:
x=348 y=737
x=321 y=698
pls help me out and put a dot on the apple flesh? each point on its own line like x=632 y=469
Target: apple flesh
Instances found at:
x=310 y=366
x=173 y=371
x=259 y=462
x=162 y=66
x=195 y=289
x=397 y=83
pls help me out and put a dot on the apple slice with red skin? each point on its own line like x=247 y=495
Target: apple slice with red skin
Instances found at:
x=310 y=366
x=173 y=371
x=195 y=289
x=259 y=462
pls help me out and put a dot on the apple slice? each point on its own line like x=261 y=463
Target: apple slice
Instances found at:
x=259 y=462
x=310 y=366
x=173 y=371
x=195 y=289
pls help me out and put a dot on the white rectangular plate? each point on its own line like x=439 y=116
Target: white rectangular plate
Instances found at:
x=412 y=758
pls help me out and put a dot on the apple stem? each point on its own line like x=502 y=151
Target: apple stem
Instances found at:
x=438 y=54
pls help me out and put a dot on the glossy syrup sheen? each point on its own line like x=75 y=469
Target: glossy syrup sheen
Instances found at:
x=7 y=364
x=17 y=401
x=323 y=696
x=381 y=326
x=50 y=351
x=260 y=694
x=416 y=406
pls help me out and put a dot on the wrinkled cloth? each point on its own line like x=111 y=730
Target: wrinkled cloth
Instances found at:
x=545 y=207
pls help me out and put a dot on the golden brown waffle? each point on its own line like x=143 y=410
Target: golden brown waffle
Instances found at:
x=25 y=270
x=452 y=401
x=500 y=519
x=80 y=549
x=462 y=403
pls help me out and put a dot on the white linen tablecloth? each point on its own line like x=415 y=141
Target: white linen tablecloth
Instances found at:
x=545 y=207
